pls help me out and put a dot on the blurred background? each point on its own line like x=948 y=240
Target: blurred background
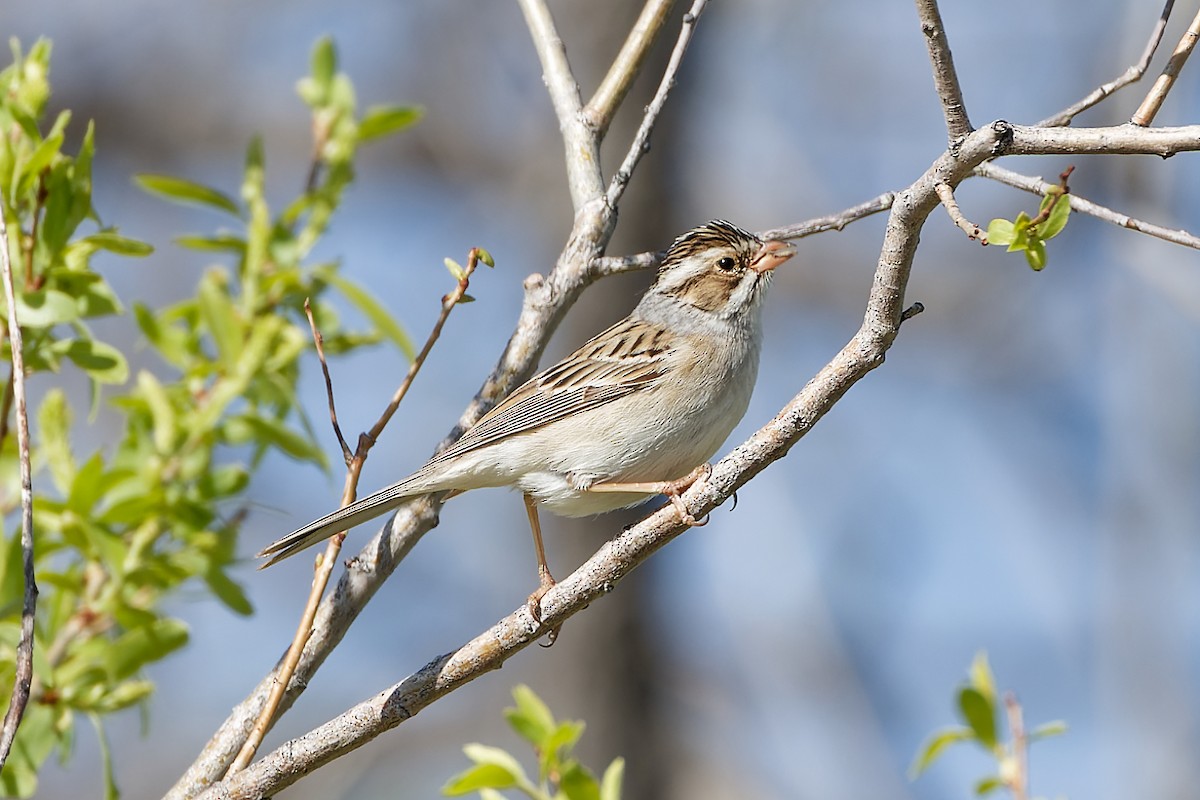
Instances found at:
x=1021 y=476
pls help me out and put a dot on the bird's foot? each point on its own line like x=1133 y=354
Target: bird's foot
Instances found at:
x=673 y=489
x=534 y=604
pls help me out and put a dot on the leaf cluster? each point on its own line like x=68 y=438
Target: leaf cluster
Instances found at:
x=979 y=710
x=1030 y=234
x=560 y=776
x=120 y=528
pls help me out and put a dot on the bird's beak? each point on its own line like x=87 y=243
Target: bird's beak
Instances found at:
x=771 y=255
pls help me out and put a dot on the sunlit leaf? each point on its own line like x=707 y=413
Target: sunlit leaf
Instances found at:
x=979 y=712
x=372 y=310
x=384 y=120
x=180 y=190
x=934 y=746
x=531 y=718
x=614 y=776
x=1057 y=220
x=1056 y=728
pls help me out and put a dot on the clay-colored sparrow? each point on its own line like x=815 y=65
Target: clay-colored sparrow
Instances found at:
x=624 y=416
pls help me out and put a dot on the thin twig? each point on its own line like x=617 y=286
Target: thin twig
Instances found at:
x=1018 y=780
x=615 y=265
x=945 y=78
x=1158 y=92
x=1039 y=187
x=626 y=66
x=319 y=343
x=641 y=140
x=973 y=231
x=1131 y=75
x=1056 y=192
x=581 y=142
x=355 y=463
x=23 y=676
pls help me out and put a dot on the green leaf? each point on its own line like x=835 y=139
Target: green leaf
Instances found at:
x=162 y=413
x=578 y=783
x=480 y=776
x=87 y=486
x=121 y=245
x=979 y=712
x=179 y=190
x=170 y=342
x=372 y=310
x=46 y=308
x=456 y=270
x=228 y=592
x=381 y=121
x=485 y=257
x=133 y=649
x=981 y=676
x=1035 y=254
x=1054 y=224
x=531 y=718
x=220 y=317
x=102 y=362
x=486 y=754
x=934 y=746
x=220 y=242
x=614 y=776
x=1056 y=728
x=1001 y=232
x=54 y=435
x=106 y=762
x=988 y=785
x=291 y=442
x=324 y=63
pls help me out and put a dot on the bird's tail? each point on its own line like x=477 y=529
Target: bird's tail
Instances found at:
x=356 y=513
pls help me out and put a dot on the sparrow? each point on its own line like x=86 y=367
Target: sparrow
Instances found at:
x=635 y=412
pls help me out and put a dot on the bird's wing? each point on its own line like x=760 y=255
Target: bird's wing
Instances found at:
x=627 y=357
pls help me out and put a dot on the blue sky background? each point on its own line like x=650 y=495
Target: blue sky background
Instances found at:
x=1021 y=476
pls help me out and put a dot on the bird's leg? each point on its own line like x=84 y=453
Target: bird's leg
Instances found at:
x=671 y=489
x=545 y=579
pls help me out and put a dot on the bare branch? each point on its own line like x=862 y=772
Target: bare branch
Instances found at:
x=973 y=231
x=945 y=79
x=1118 y=140
x=581 y=143
x=1131 y=75
x=864 y=352
x=641 y=140
x=23 y=677
x=1039 y=187
x=615 y=265
x=1158 y=93
x=355 y=463
x=832 y=222
x=626 y=66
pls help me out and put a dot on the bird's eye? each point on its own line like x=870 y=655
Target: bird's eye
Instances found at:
x=726 y=264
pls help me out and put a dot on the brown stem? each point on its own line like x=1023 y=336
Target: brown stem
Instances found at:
x=329 y=558
x=23 y=677
x=319 y=343
x=1158 y=92
x=1018 y=780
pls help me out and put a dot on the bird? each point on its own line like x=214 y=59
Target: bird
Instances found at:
x=635 y=412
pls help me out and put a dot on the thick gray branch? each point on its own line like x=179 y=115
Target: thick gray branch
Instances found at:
x=945 y=78
x=581 y=142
